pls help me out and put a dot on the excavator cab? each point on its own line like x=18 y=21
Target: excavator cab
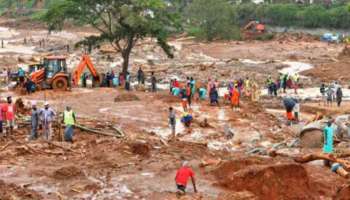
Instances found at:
x=33 y=67
x=54 y=65
x=53 y=74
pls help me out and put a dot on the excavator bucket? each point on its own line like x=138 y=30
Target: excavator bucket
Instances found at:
x=85 y=62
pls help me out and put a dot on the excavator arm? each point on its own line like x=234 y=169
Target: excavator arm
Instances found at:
x=250 y=25
x=38 y=76
x=85 y=62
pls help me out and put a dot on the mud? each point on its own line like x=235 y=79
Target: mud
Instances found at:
x=12 y=191
x=67 y=172
x=343 y=193
x=289 y=181
x=143 y=163
x=126 y=97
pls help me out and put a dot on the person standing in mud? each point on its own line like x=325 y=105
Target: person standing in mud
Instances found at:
x=84 y=77
x=21 y=75
x=269 y=83
x=328 y=139
x=47 y=117
x=34 y=122
x=330 y=94
x=296 y=111
x=172 y=121
x=9 y=110
x=69 y=121
x=153 y=82
x=285 y=80
x=339 y=96
x=214 y=96
x=140 y=77
x=189 y=94
x=127 y=81
x=235 y=99
x=182 y=176
x=323 y=93
x=193 y=87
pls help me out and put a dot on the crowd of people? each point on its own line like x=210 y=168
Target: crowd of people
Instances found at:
x=282 y=83
x=190 y=90
x=40 y=118
x=110 y=79
x=330 y=93
x=187 y=91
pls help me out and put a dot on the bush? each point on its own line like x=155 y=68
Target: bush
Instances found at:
x=212 y=19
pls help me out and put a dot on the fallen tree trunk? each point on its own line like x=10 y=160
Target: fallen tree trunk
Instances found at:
x=120 y=132
x=328 y=157
x=61 y=147
x=96 y=131
x=313 y=156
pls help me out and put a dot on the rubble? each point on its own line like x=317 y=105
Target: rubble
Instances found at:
x=12 y=191
x=67 y=172
x=123 y=147
x=265 y=181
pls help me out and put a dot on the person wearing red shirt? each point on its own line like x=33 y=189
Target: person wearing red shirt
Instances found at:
x=9 y=114
x=182 y=176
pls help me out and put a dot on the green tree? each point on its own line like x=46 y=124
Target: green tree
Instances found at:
x=212 y=19
x=122 y=23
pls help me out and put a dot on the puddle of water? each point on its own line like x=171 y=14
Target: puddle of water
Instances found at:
x=222 y=115
x=6 y=33
x=221 y=146
x=308 y=93
x=17 y=49
x=254 y=62
x=165 y=133
x=45 y=189
x=295 y=67
x=103 y=110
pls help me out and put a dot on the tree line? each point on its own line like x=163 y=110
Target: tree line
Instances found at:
x=123 y=23
x=209 y=19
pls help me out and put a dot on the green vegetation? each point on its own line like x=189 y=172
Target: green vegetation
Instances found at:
x=288 y=15
x=210 y=19
x=204 y=19
x=122 y=23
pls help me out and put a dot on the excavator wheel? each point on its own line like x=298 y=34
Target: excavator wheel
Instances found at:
x=60 y=83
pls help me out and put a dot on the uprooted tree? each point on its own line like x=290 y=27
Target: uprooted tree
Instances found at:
x=122 y=23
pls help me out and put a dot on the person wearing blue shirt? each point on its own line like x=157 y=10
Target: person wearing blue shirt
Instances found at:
x=328 y=138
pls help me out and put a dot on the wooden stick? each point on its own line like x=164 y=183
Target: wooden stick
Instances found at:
x=5 y=146
x=61 y=147
x=96 y=131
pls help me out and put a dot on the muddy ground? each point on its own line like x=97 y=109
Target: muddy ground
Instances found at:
x=142 y=164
